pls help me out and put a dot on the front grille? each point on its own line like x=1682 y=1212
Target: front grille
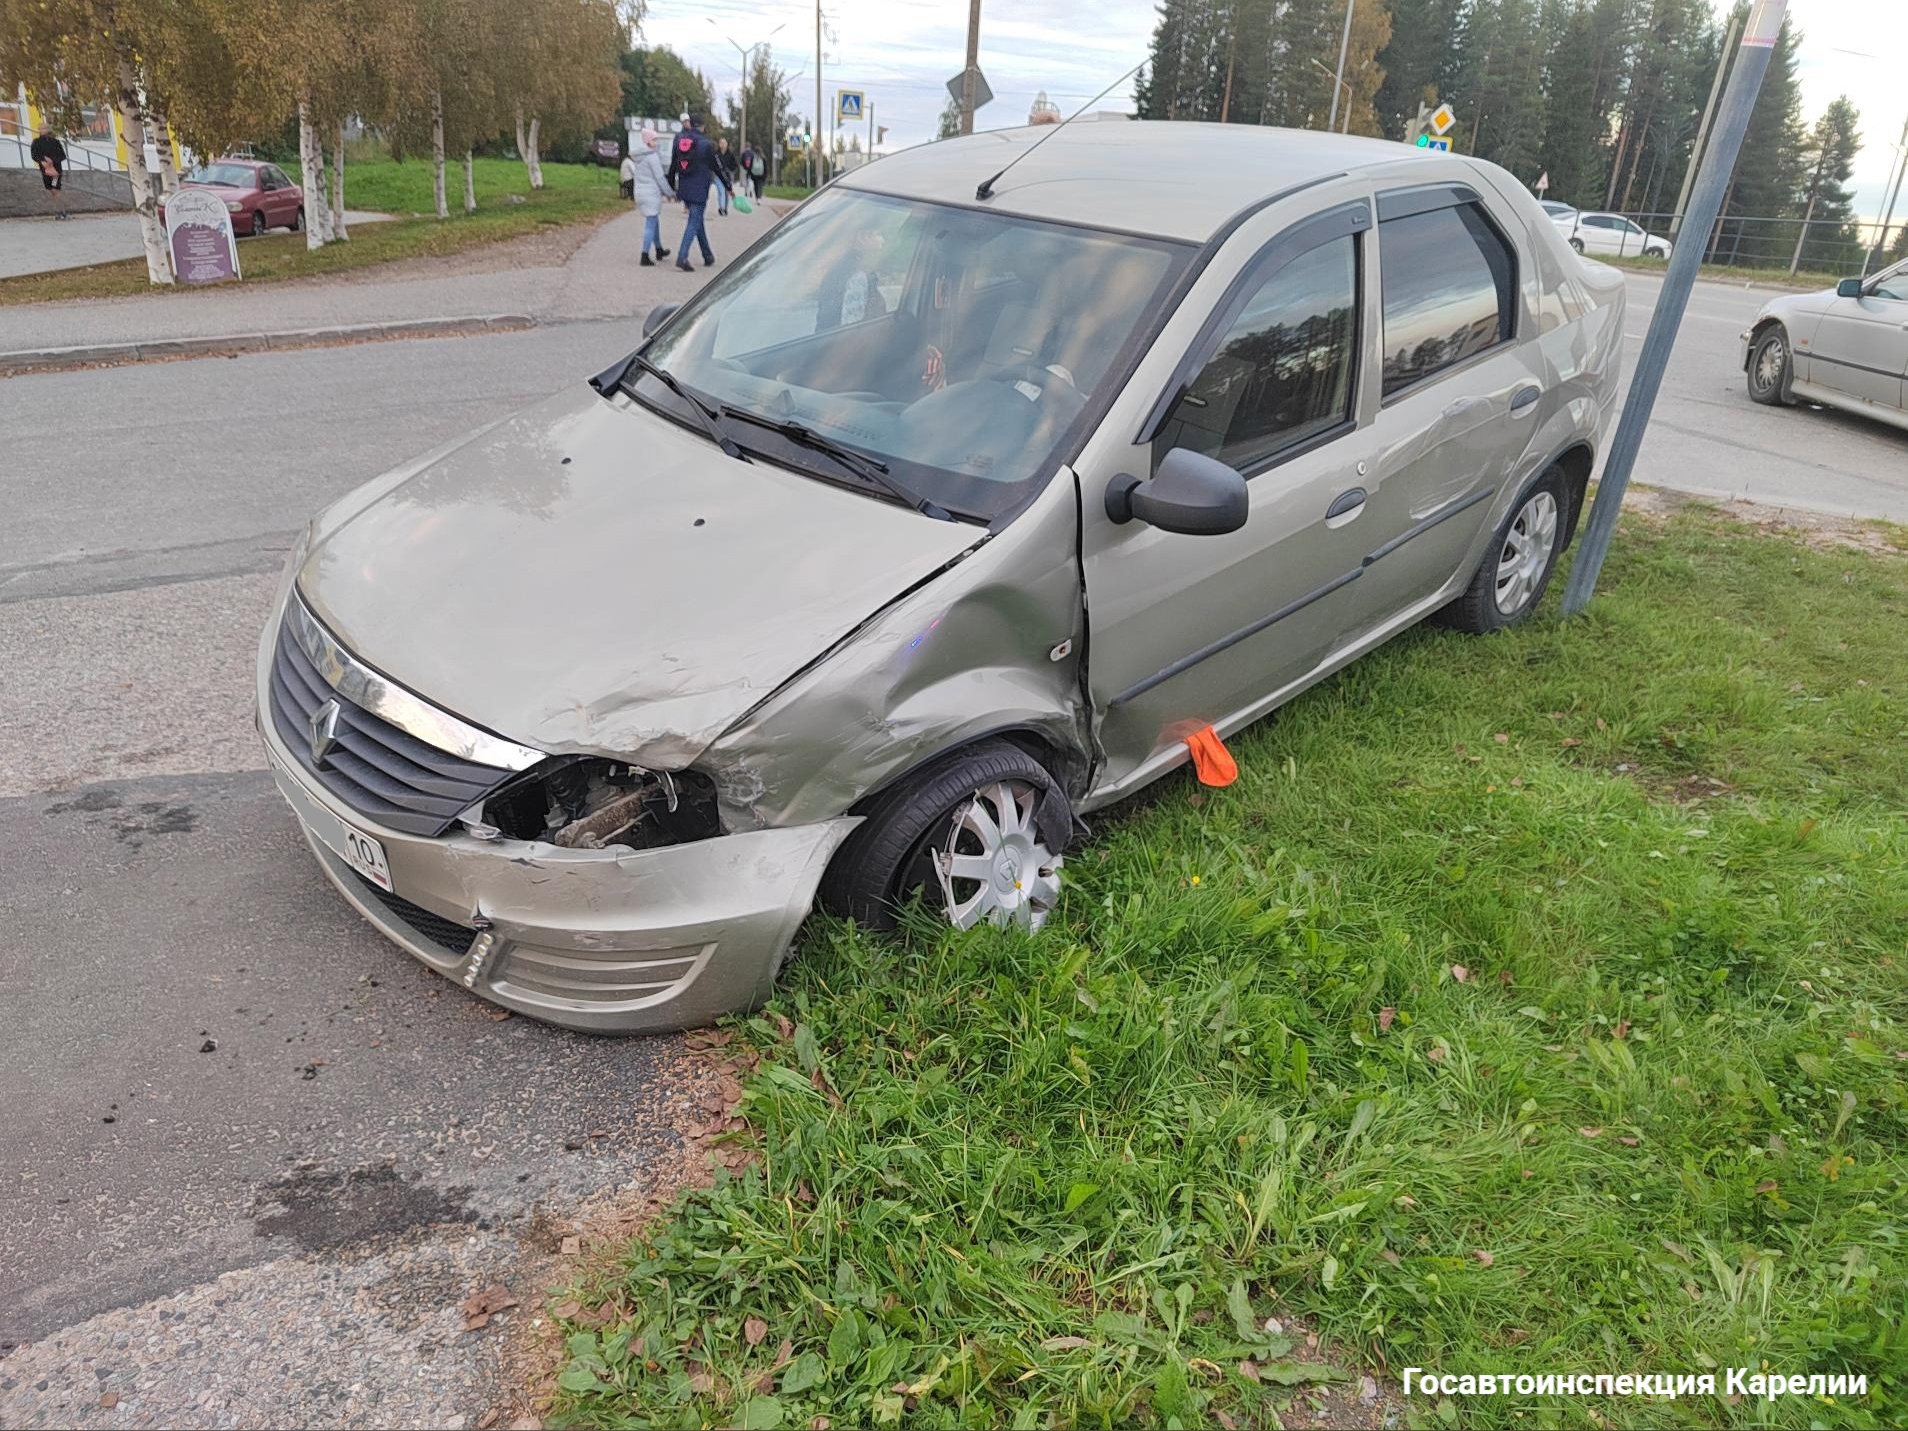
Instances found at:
x=387 y=774
x=446 y=934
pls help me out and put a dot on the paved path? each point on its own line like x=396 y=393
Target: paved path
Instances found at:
x=602 y=279
x=42 y=245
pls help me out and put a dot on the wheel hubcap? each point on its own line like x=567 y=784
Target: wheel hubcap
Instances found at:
x=1527 y=548
x=1769 y=364
x=993 y=865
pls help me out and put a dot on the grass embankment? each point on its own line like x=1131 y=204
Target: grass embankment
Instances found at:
x=507 y=207
x=1531 y=1004
x=1801 y=282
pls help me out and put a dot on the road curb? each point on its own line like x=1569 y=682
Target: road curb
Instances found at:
x=46 y=360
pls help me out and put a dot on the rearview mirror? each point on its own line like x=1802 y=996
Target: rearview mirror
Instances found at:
x=1849 y=288
x=1189 y=493
x=658 y=316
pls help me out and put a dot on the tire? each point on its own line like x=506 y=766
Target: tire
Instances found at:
x=258 y=223
x=1577 y=244
x=1510 y=580
x=1768 y=372
x=892 y=855
x=1652 y=253
x=298 y=220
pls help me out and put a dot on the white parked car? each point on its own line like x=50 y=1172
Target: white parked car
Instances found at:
x=1559 y=211
x=1610 y=234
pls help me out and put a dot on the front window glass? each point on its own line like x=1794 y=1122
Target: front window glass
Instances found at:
x=957 y=345
x=1449 y=286
x=1283 y=371
x=236 y=176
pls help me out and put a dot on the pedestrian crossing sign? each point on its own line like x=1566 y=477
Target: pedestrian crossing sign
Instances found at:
x=848 y=104
x=1426 y=141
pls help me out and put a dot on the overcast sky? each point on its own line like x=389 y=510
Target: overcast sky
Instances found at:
x=901 y=52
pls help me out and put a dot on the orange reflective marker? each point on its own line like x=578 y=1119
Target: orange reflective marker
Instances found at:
x=1212 y=762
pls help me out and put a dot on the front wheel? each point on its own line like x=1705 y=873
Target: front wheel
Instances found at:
x=298 y=220
x=1510 y=580
x=258 y=224
x=1769 y=366
x=978 y=836
x=1652 y=253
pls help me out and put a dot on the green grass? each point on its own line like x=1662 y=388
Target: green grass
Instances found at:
x=786 y=191
x=1802 y=282
x=1656 y=1123
x=571 y=193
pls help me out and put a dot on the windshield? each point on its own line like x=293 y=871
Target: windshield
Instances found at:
x=235 y=176
x=958 y=346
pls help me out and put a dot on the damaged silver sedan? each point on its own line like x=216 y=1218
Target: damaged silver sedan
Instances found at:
x=954 y=509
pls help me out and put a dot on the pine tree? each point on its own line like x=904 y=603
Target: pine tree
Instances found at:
x=1769 y=178
x=1418 y=60
x=1831 y=240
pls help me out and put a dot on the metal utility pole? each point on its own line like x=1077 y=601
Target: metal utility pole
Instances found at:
x=1344 y=44
x=814 y=153
x=1702 y=129
x=1758 y=39
x=745 y=54
x=1881 y=237
x=973 y=66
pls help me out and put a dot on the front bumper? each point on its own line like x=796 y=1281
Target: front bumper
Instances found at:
x=611 y=941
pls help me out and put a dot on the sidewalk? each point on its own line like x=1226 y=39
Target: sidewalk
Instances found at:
x=45 y=245
x=602 y=279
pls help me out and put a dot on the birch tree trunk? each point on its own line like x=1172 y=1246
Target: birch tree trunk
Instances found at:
x=536 y=160
x=337 y=189
x=152 y=233
x=523 y=148
x=470 y=183
x=311 y=178
x=437 y=153
x=162 y=141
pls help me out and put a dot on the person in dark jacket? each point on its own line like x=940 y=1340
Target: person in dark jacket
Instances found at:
x=49 y=157
x=692 y=168
x=728 y=174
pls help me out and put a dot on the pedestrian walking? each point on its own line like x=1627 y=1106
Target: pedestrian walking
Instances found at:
x=49 y=157
x=757 y=167
x=649 y=184
x=727 y=173
x=692 y=169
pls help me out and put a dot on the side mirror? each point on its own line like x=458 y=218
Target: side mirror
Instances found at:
x=1191 y=493
x=658 y=316
x=1849 y=288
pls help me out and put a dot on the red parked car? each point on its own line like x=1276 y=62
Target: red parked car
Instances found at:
x=258 y=195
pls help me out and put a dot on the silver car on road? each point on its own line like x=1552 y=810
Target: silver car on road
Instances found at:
x=1845 y=347
x=959 y=506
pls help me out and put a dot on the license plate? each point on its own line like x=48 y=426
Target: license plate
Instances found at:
x=365 y=855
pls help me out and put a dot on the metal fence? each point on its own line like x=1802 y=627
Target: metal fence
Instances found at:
x=1740 y=241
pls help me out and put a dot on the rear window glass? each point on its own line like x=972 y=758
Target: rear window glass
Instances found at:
x=1449 y=285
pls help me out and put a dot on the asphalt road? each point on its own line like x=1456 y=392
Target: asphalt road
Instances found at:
x=212 y=1066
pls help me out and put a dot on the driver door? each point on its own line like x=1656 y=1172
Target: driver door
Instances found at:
x=1186 y=630
x=1861 y=345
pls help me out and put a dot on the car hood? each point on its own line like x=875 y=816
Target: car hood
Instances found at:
x=587 y=576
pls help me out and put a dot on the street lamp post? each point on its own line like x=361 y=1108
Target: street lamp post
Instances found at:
x=1344 y=46
x=745 y=53
x=1343 y=84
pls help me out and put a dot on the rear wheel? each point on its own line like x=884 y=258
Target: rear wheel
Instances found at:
x=1769 y=366
x=1577 y=244
x=977 y=836
x=1510 y=580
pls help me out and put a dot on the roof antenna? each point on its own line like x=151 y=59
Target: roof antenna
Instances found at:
x=986 y=189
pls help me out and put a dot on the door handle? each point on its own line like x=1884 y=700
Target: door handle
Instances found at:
x=1524 y=399
x=1345 y=506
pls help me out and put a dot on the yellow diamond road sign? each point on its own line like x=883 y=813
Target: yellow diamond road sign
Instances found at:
x=1442 y=119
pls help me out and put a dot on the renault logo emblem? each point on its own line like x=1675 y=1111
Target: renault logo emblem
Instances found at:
x=323 y=726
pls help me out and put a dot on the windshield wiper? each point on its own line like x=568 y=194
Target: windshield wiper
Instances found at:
x=704 y=410
x=871 y=470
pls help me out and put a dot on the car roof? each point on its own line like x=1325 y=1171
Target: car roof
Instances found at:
x=1178 y=180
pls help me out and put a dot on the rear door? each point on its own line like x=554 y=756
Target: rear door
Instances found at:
x=1461 y=391
x=1861 y=344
